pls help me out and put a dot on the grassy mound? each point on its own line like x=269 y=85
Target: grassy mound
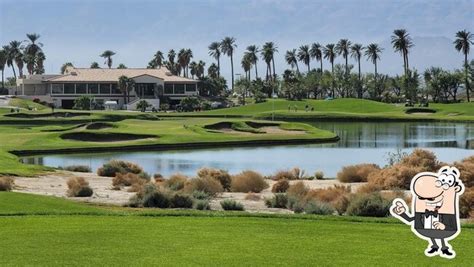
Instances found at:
x=239 y=126
x=47 y=115
x=104 y=137
x=99 y=125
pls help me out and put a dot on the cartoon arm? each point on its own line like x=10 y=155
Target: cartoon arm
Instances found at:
x=399 y=208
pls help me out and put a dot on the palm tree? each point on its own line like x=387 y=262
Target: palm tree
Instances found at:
x=107 y=55
x=246 y=64
x=373 y=52
x=252 y=51
x=330 y=54
x=10 y=58
x=342 y=48
x=17 y=55
x=356 y=53
x=171 y=56
x=158 y=59
x=182 y=60
x=193 y=68
x=271 y=49
x=30 y=63
x=304 y=55
x=40 y=58
x=213 y=71
x=291 y=59
x=123 y=86
x=3 y=62
x=227 y=48
x=33 y=47
x=215 y=52
x=95 y=65
x=401 y=42
x=463 y=42
x=200 y=69
x=317 y=53
x=65 y=65
x=121 y=66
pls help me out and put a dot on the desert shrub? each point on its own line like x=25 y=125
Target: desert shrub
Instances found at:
x=296 y=195
x=466 y=203
x=176 y=182
x=279 y=200
x=202 y=205
x=372 y=205
x=316 y=207
x=158 y=178
x=293 y=174
x=319 y=175
x=181 y=201
x=466 y=167
x=229 y=204
x=128 y=179
x=341 y=204
x=6 y=183
x=329 y=194
x=145 y=176
x=137 y=199
x=201 y=195
x=206 y=184
x=252 y=196
x=368 y=188
x=280 y=186
x=157 y=199
x=248 y=181
x=79 y=187
x=356 y=173
x=112 y=167
x=220 y=175
x=78 y=168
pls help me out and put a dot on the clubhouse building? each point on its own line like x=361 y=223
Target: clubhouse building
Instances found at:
x=153 y=85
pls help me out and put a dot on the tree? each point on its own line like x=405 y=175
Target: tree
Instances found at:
x=95 y=65
x=304 y=55
x=17 y=54
x=246 y=64
x=330 y=54
x=215 y=52
x=142 y=105
x=356 y=53
x=30 y=63
x=463 y=42
x=33 y=47
x=268 y=51
x=40 y=58
x=3 y=62
x=200 y=69
x=125 y=85
x=65 y=65
x=317 y=53
x=252 y=54
x=402 y=42
x=227 y=48
x=372 y=53
x=107 y=55
x=291 y=59
x=193 y=68
x=83 y=102
x=213 y=71
x=342 y=48
x=121 y=66
x=158 y=59
x=242 y=87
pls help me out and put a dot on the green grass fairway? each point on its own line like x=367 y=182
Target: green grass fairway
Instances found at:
x=345 y=108
x=125 y=237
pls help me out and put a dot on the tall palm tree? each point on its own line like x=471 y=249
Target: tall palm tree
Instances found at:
x=246 y=64
x=304 y=55
x=193 y=68
x=356 y=53
x=158 y=59
x=372 y=53
x=65 y=65
x=30 y=63
x=228 y=47
x=182 y=60
x=317 y=53
x=107 y=55
x=268 y=52
x=463 y=42
x=330 y=54
x=10 y=58
x=95 y=65
x=123 y=86
x=342 y=48
x=213 y=71
x=3 y=62
x=215 y=52
x=402 y=42
x=40 y=58
x=171 y=56
x=17 y=55
x=252 y=53
x=33 y=46
x=200 y=69
x=291 y=59
x=188 y=55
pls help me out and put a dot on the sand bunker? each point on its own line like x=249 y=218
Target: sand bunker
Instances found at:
x=420 y=111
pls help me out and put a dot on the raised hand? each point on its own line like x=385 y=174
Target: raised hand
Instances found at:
x=399 y=206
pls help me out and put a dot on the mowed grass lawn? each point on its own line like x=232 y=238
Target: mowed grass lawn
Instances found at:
x=106 y=236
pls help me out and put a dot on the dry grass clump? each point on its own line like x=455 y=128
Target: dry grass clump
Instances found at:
x=466 y=203
x=206 y=184
x=78 y=168
x=176 y=182
x=280 y=186
x=296 y=194
x=293 y=174
x=6 y=183
x=112 y=167
x=319 y=175
x=356 y=173
x=466 y=167
x=129 y=179
x=79 y=187
x=158 y=178
x=337 y=197
x=248 y=181
x=253 y=197
x=220 y=175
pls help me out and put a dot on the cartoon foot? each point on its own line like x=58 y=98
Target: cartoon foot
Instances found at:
x=447 y=252
x=432 y=251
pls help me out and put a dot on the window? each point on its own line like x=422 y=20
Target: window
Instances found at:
x=115 y=90
x=93 y=88
x=104 y=89
x=190 y=88
x=57 y=88
x=179 y=89
x=168 y=88
x=81 y=89
x=69 y=88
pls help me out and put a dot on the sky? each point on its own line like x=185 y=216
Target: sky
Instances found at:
x=79 y=31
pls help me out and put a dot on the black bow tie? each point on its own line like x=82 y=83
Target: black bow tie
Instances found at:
x=431 y=213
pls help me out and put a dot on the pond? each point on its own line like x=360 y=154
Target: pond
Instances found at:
x=361 y=142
